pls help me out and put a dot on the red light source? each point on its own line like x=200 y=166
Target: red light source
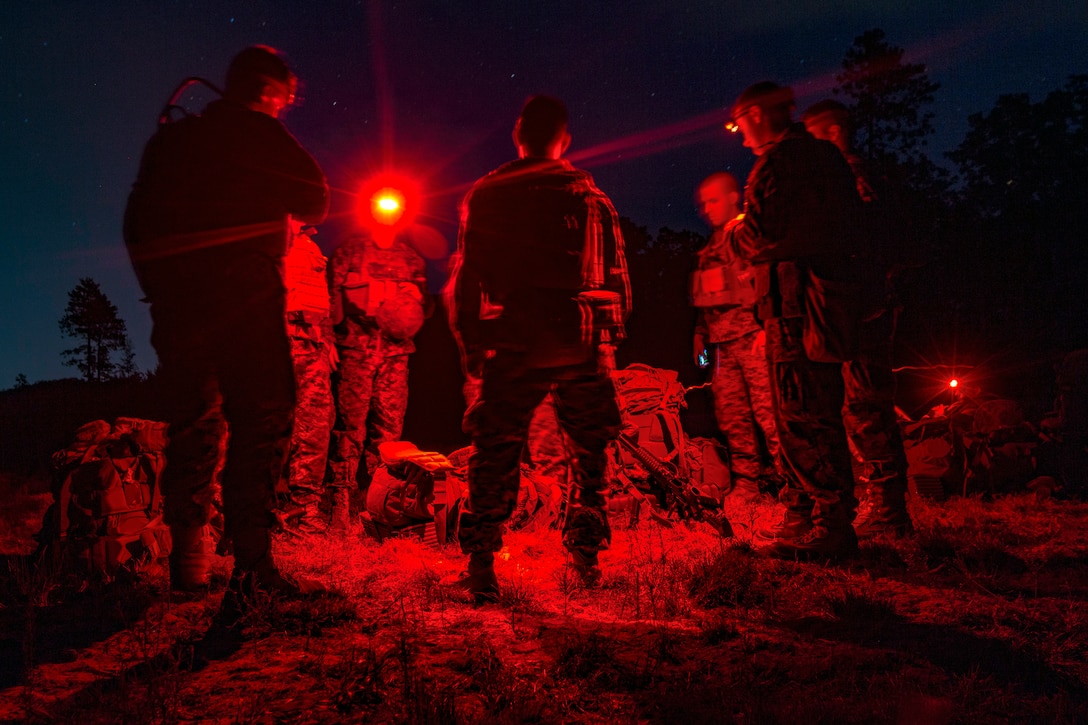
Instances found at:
x=953 y=383
x=388 y=202
x=387 y=206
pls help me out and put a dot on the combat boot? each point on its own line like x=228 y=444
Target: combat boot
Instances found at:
x=584 y=563
x=341 y=510
x=794 y=523
x=883 y=513
x=190 y=561
x=302 y=519
x=744 y=490
x=479 y=579
x=821 y=541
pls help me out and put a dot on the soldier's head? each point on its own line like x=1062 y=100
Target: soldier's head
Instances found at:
x=259 y=79
x=762 y=113
x=541 y=129
x=718 y=199
x=828 y=120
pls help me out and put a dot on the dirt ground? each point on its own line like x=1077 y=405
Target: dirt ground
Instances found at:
x=980 y=617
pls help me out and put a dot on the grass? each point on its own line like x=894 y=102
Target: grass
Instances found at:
x=978 y=618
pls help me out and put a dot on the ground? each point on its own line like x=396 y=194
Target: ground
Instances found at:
x=978 y=618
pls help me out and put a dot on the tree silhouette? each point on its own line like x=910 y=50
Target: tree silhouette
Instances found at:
x=92 y=318
x=888 y=101
x=1024 y=168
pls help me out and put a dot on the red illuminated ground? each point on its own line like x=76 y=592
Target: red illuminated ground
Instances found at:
x=980 y=618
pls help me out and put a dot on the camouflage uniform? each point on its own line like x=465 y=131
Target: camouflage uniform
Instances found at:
x=534 y=234
x=206 y=230
x=546 y=449
x=310 y=330
x=872 y=425
x=739 y=379
x=372 y=382
x=800 y=201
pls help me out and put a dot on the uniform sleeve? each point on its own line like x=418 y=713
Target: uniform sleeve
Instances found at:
x=758 y=236
x=339 y=264
x=305 y=190
x=464 y=291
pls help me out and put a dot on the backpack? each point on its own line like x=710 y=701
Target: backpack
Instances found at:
x=107 y=508
x=413 y=493
x=1001 y=449
x=652 y=401
x=936 y=457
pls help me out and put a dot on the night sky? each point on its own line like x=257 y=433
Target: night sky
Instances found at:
x=433 y=91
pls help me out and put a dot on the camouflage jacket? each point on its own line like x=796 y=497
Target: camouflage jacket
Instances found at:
x=535 y=233
x=801 y=210
x=722 y=289
x=362 y=277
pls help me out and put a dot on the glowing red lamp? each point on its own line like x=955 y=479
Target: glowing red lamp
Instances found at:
x=387 y=206
x=388 y=202
x=953 y=383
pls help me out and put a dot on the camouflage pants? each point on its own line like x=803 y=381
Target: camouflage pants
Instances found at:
x=587 y=412
x=869 y=414
x=228 y=361
x=742 y=406
x=371 y=399
x=546 y=449
x=314 y=415
x=807 y=398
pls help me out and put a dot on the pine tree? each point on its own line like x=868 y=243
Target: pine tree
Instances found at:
x=888 y=101
x=92 y=318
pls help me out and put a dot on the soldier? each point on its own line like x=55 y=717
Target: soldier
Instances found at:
x=313 y=351
x=540 y=284
x=869 y=408
x=206 y=227
x=723 y=292
x=799 y=206
x=379 y=300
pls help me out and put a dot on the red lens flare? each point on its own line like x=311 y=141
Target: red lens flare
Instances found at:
x=387 y=206
x=953 y=383
x=389 y=202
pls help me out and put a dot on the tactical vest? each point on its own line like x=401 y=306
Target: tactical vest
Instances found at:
x=383 y=287
x=723 y=282
x=304 y=277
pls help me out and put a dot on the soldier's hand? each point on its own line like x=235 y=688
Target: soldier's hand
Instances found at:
x=759 y=344
x=334 y=357
x=697 y=348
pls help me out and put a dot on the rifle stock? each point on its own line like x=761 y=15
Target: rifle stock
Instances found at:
x=680 y=492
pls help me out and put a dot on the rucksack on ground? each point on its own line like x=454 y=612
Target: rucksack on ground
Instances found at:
x=413 y=493
x=652 y=400
x=106 y=515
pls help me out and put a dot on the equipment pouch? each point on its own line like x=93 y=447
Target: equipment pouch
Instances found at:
x=356 y=293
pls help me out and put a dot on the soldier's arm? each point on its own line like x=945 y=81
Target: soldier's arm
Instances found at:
x=302 y=182
x=617 y=278
x=759 y=235
x=339 y=264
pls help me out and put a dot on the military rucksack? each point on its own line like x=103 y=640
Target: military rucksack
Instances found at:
x=652 y=401
x=106 y=516
x=413 y=492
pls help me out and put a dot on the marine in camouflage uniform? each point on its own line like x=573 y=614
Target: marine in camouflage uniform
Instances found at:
x=538 y=241
x=869 y=406
x=206 y=228
x=379 y=295
x=722 y=290
x=800 y=204
x=310 y=329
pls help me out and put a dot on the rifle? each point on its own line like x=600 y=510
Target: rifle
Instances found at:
x=681 y=495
